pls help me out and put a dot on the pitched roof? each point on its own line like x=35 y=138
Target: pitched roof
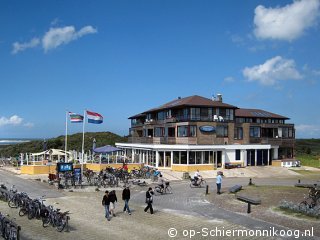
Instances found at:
x=257 y=113
x=193 y=101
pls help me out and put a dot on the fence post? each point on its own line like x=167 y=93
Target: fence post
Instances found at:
x=207 y=189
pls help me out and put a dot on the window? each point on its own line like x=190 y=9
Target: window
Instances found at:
x=192 y=157
x=222 y=131
x=206 y=158
x=159 y=132
x=183 y=157
x=161 y=115
x=238 y=156
x=195 y=114
x=255 y=132
x=171 y=132
x=238 y=133
x=168 y=114
x=199 y=158
x=176 y=159
x=229 y=114
x=187 y=131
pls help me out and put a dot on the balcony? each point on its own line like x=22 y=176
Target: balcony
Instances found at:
x=289 y=142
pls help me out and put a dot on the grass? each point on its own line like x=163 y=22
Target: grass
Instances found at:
x=292 y=213
x=309 y=160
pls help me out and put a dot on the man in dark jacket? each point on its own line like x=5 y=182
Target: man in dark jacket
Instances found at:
x=113 y=199
x=106 y=204
x=126 y=198
x=149 y=200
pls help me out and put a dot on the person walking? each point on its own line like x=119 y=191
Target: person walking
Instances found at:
x=219 y=182
x=106 y=204
x=126 y=198
x=113 y=199
x=149 y=200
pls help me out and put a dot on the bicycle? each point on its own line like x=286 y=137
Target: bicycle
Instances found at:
x=166 y=190
x=56 y=219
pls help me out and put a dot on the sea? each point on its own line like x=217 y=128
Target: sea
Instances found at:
x=12 y=141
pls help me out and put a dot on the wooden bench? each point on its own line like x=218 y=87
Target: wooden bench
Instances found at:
x=250 y=200
x=235 y=188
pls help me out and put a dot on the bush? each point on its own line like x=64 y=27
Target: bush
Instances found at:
x=313 y=212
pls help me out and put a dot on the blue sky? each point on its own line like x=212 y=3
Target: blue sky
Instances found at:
x=120 y=58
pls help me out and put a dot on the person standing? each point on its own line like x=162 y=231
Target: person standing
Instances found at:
x=219 y=182
x=126 y=198
x=149 y=200
x=113 y=199
x=106 y=204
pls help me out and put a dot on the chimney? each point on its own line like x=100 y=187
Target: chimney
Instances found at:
x=219 y=97
x=213 y=98
x=179 y=97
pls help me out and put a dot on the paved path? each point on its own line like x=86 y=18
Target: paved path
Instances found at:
x=186 y=209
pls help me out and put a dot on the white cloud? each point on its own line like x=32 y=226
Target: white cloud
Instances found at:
x=229 y=79
x=58 y=36
x=18 y=47
x=28 y=125
x=288 y=22
x=272 y=71
x=307 y=131
x=13 y=120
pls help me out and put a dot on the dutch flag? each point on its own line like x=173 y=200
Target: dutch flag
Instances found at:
x=94 y=117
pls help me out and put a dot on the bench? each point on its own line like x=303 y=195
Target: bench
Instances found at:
x=250 y=200
x=235 y=188
x=232 y=165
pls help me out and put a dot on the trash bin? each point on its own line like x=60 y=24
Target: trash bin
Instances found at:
x=186 y=175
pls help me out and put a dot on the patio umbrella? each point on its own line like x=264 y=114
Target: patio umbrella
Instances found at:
x=106 y=149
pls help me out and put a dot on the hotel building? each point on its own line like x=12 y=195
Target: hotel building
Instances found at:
x=199 y=133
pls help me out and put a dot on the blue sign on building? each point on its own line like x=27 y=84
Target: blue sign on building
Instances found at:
x=207 y=128
x=65 y=167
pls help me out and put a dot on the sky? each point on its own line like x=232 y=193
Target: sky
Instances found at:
x=122 y=57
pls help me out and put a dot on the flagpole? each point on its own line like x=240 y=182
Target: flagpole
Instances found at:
x=66 y=139
x=82 y=154
x=84 y=121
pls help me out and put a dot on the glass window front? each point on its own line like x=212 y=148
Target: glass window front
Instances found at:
x=238 y=156
x=187 y=131
x=222 y=131
x=238 y=133
x=255 y=132
x=176 y=157
x=183 y=157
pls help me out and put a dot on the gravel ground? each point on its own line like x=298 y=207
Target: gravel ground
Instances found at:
x=270 y=198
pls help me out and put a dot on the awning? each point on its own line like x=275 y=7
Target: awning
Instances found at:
x=106 y=149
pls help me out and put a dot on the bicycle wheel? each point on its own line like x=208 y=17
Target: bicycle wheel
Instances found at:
x=45 y=221
x=203 y=183
x=22 y=212
x=303 y=205
x=169 y=189
x=12 y=203
x=61 y=225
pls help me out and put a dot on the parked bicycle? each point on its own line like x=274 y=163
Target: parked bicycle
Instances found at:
x=56 y=219
x=8 y=228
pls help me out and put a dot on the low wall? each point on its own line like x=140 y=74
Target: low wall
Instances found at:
x=38 y=169
x=276 y=163
x=46 y=169
x=98 y=167
x=192 y=168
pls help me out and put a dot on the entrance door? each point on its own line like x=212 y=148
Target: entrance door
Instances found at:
x=168 y=159
x=219 y=159
x=259 y=157
x=250 y=158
